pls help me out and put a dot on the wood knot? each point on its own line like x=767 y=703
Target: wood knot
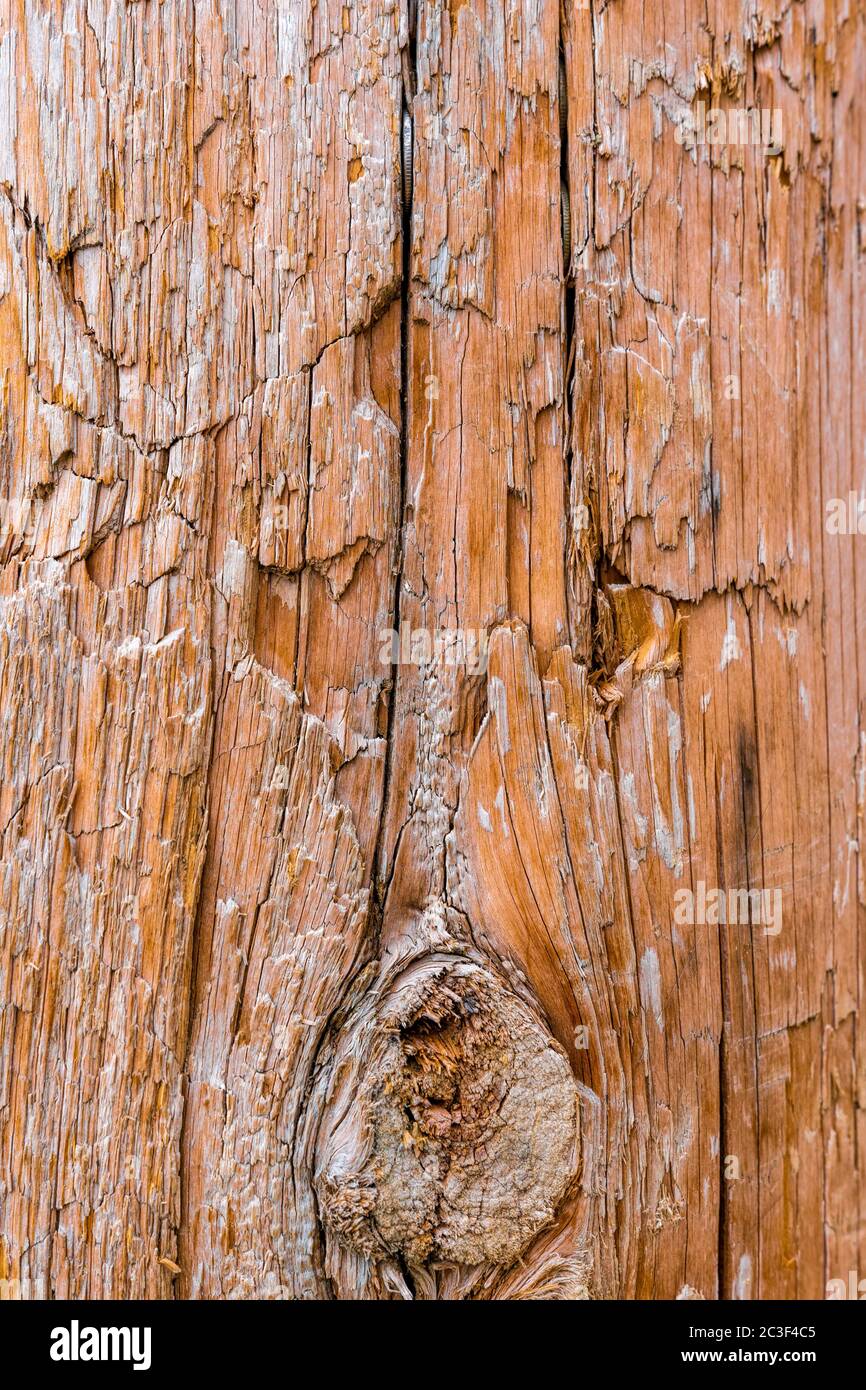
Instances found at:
x=462 y=1136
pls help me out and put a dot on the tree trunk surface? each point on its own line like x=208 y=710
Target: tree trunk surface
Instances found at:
x=432 y=736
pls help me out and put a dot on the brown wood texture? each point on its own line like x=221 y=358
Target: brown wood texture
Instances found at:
x=337 y=965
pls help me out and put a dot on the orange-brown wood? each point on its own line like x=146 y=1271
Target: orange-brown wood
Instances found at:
x=417 y=615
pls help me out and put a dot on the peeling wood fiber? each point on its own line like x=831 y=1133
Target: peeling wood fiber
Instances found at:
x=416 y=440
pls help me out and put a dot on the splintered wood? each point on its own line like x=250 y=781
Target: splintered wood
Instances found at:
x=431 y=731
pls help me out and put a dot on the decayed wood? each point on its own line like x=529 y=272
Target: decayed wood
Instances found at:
x=415 y=453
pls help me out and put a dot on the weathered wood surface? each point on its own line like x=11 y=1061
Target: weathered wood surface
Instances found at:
x=327 y=977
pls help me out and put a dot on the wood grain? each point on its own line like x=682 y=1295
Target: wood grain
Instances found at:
x=399 y=609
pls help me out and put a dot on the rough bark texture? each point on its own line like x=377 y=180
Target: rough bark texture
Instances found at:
x=327 y=976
